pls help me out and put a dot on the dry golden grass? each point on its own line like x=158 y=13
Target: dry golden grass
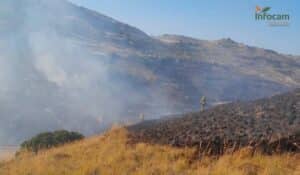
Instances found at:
x=110 y=155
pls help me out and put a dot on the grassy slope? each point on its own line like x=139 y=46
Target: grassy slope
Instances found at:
x=110 y=154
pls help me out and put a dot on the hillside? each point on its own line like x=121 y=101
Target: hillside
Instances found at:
x=68 y=67
x=111 y=154
x=267 y=125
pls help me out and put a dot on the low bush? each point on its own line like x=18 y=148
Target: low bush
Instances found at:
x=48 y=140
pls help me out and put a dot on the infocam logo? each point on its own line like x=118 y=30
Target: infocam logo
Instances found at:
x=274 y=19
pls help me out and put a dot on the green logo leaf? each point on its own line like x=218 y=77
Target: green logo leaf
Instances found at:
x=264 y=10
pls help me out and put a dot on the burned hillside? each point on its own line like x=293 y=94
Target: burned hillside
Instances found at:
x=268 y=125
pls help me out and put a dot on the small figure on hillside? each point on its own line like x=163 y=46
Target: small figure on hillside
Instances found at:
x=142 y=117
x=202 y=103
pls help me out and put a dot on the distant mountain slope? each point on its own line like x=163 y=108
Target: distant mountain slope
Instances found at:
x=271 y=124
x=64 y=66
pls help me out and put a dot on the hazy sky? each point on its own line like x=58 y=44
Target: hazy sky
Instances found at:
x=210 y=19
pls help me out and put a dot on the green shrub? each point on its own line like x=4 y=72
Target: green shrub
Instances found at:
x=48 y=140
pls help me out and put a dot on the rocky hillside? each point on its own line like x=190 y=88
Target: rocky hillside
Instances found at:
x=67 y=67
x=268 y=125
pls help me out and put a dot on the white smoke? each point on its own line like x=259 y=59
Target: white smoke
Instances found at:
x=50 y=79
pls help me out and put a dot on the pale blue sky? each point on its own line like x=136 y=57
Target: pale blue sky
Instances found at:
x=207 y=19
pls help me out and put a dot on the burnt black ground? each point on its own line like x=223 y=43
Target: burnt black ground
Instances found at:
x=268 y=125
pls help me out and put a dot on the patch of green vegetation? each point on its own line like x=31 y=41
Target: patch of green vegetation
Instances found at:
x=48 y=140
